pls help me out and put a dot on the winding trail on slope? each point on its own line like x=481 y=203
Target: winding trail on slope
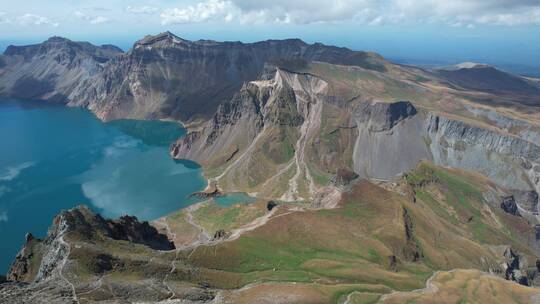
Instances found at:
x=203 y=238
x=430 y=288
x=64 y=261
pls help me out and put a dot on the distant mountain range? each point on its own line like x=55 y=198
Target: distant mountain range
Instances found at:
x=369 y=176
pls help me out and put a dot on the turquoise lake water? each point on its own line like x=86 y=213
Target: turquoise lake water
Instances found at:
x=55 y=157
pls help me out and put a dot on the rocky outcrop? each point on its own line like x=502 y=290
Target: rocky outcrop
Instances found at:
x=380 y=116
x=220 y=235
x=516 y=268
x=53 y=70
x=129 y=228
x=40 y=259
x=509 y=205
x=412 y=251
x=206 y=194
x=19 y=270
x=271 y=205
x=343 y=177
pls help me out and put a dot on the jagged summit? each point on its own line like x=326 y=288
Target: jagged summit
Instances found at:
x=62 y=43
x=57 y=39
x=160 y=39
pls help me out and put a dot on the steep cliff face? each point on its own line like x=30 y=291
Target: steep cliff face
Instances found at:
x=53 y=70
x=388 y=141
x=258 y=140
x=166 y=76
x=384 y=152
x=508 y=160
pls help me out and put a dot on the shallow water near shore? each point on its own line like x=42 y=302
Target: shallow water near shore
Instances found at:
x=54 y=157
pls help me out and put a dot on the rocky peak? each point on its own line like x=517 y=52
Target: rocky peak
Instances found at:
x=82 y=224
x=57 y=39
x=383 y=116
x=87 y=224
x=55 y=45
x=160 y=40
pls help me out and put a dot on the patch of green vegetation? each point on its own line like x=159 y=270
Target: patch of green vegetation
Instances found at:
x=374 y=256
x=214 y=217
x=320 y=178
x=436 y=206
x=461 y=194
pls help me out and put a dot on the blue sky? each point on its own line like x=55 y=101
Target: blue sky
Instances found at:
x=504 y=32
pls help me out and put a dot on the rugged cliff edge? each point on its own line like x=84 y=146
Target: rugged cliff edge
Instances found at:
x=53 y=70
x=39 y=259
x=509 y=160
x=161 y=76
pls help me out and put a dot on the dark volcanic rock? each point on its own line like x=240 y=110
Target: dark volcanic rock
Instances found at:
x=393 y=263
x=509 y=205
x=412 y=251
x=38 y=259
x=205 y=195
x=384 y=116
x=516 y=268
x=344 y=176
x=129 y=228
x=220 y=234
x=271 y=205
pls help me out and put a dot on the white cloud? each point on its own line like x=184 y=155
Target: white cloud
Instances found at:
x=202 y=11
x=32 y=19
x=91 y=18
x=4 y=19
x=462 y=13
x=145 y=9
